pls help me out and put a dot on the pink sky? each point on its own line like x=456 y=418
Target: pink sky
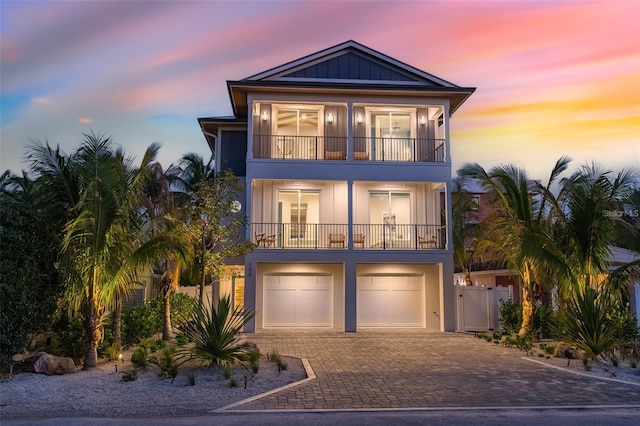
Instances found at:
x=552 y=78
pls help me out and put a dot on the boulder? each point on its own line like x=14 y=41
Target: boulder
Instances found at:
x=565 y=350
x=250 y=347
x=51 y=364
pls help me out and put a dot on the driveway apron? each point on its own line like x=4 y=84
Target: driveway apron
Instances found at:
x=395 y=369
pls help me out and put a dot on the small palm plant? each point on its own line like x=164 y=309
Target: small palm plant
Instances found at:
x=216 y=334
x=587 y=323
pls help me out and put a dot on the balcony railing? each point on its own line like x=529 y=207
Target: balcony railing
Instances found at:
x=335 y=236
x=300 y=147
x=399 y=149
x=335 y=148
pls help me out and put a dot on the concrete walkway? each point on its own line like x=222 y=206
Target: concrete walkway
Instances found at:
x=400 y=369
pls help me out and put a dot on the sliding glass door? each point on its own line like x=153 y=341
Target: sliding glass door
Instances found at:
x=391 y=212
x=299 y=214
x=391 y=136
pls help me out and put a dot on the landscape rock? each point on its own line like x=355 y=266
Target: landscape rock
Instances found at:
x=53 y=365
x=564 y=350
x=250 y=346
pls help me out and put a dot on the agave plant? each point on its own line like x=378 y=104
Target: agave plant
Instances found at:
x=215 y=333
x=588 y=324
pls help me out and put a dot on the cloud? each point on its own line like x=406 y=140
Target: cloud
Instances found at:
x=85 y=120
x=41 y=101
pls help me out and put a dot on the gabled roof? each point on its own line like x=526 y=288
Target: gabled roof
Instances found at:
x=347 y=67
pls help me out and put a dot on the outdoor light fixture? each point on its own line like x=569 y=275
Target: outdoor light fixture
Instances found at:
x=359 y=118
x=422 y=120
x=330 y=118
x=265 y=116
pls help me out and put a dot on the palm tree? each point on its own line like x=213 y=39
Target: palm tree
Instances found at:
x=465 y=227
x=102 y=245
x=588 y=222
x=163 y=210
x=516 y=231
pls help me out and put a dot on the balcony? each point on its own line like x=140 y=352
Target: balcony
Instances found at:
x=335 y=236
x=335 y=148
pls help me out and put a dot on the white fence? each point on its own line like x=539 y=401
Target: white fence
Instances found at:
x=479 y=307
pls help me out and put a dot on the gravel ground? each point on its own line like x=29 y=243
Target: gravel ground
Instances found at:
x=623 y=371
x=99 y=392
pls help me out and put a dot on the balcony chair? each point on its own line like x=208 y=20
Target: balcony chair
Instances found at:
x=429 y=242
x=334 y=155
x=263 y=240
x=360 y=155
x=336 y=239
x=358 y=240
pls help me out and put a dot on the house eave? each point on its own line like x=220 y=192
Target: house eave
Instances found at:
x=238 y=91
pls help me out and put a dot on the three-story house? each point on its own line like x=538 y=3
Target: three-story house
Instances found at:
x=345 y=156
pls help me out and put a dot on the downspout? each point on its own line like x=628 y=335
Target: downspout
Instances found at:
x=215 y=140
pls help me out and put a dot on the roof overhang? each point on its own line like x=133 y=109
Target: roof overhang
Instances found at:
x=211 y=125
x=238 y=91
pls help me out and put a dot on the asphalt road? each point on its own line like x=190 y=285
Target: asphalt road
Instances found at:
x=530 y=417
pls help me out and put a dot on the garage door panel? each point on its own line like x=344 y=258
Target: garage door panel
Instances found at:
x=372 y=297
x=390 y=301
x=312 y=307
x=298 y=301
x=409 y=307
x=280 y=306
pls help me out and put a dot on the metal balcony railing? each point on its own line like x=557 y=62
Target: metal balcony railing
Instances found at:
x=399 y=149
x=300 y=147
x=335 y=236
x=335 y=148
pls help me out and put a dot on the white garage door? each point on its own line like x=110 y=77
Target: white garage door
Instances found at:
x=390 y=301
x=298 y=301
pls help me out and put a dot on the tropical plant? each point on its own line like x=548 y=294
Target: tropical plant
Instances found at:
x=586 y=226
x=29 y=284
x=140 y=358
x=464 y=220
x=586 y=322
x=215 y=224
x=95 y=192
x=163 y=212
x=215 y=333
x=517 y=232
x=167 y=363
x=146 y=320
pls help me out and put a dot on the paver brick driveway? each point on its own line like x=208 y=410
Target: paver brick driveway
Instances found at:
x=413 y=368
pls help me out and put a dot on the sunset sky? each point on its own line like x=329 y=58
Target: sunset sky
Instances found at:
x=552 y=77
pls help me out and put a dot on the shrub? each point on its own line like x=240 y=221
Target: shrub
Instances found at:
x=215 y=333
x=140 y=358
x=181 y=339
x=191 y=379
x=167 y=363
x=227 y=372
x=585 y=323
x=144 y=321
x=112 y=352
x=544 y=321
x=68 y=339
x=511 y=316
x=129 y=376
x=254 y=360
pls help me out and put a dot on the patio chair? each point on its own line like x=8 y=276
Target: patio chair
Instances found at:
x=429 y=242
x=336 y=239
x=263 y=240
x=358 y=240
